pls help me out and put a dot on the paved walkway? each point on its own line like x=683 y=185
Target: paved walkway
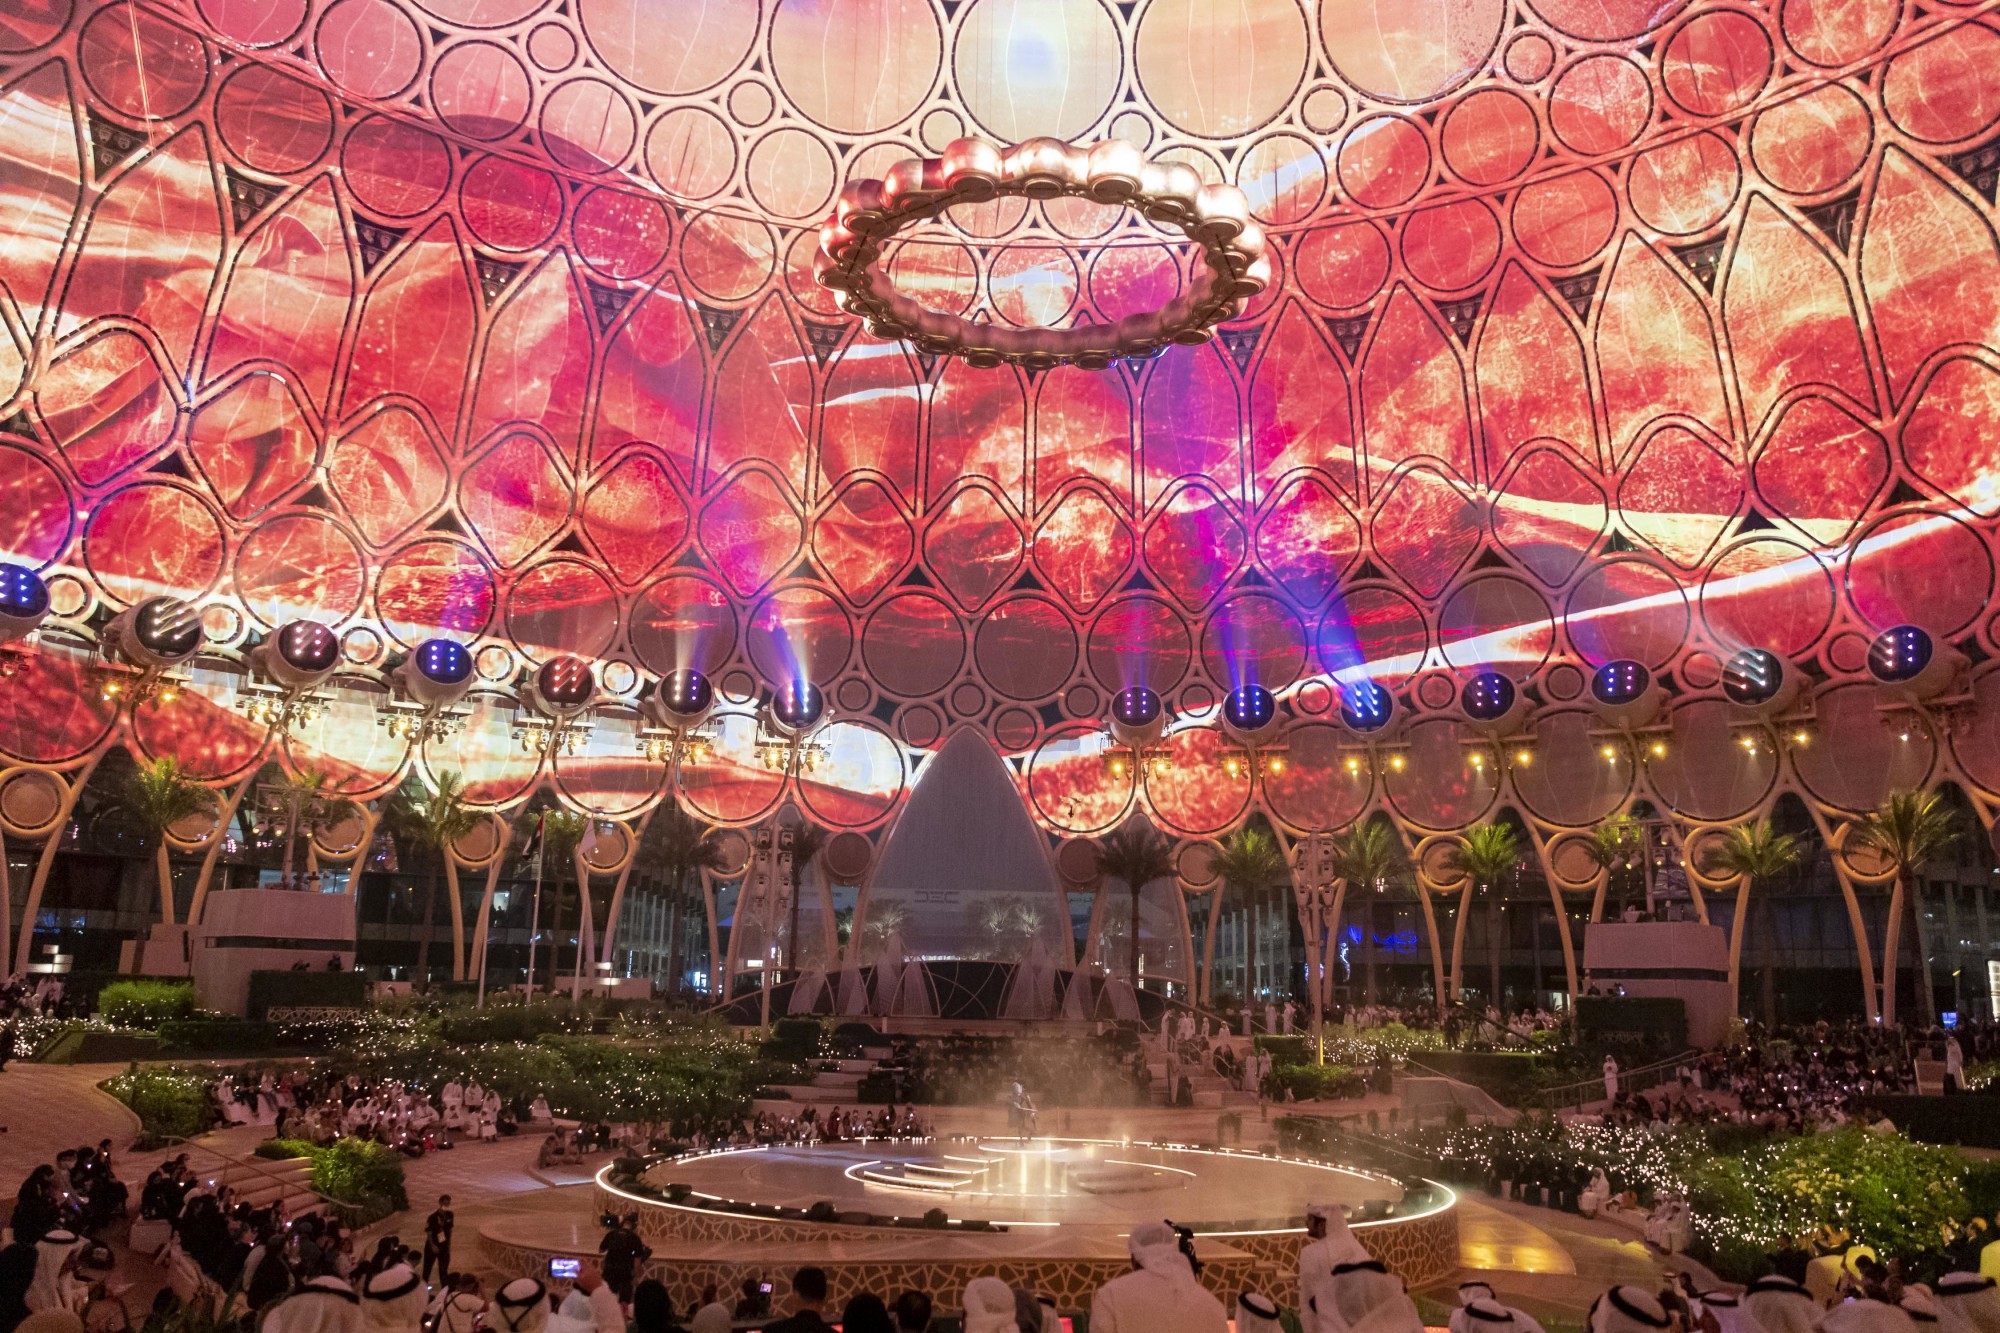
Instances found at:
x=1550 y=1263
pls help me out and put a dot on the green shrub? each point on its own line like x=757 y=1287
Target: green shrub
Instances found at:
x=211 y=1034
x=354 y=1171
x=1307 y=1081
x=170 y=1103
x=1286 y=1050
x=1835 y=1189
x=284 y=1150
x=144 y=1003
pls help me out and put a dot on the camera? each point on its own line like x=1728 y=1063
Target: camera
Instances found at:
x=1186 y=1235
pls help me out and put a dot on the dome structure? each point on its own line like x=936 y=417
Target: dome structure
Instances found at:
x=1647 y=332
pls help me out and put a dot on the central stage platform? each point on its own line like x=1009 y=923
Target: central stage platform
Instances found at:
x=1050 y=1215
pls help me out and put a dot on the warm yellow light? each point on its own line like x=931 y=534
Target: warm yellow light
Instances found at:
x=1354 y=765
x=1610 y=753
x=1659 y=749
x=1277 y=765
x=1396 y=762
x=1524 y=757
x=1233 y=767
x=1801 y=737
x=1118 y=767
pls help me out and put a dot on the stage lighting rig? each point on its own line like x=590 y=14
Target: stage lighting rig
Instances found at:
x=1137 y=724
x=1924 y=684
x=678 y=708
x=24 y=605
x=786 y=725
x=143 y=644
x=1250 y=721
x=1770 y=689
x=429 y=684
x=1495 y=710
x=559 y=693
x=1625 y=695
x=294 y=662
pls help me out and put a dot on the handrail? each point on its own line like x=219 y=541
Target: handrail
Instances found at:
x=1629 y=1080
x=256 y=1166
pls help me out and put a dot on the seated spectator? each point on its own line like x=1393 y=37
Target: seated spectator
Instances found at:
x=913 y=1312
x=808 y=1300
x=652 y=1308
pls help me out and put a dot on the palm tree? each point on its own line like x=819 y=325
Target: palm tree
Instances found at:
x=679 y=846
x=1909 y=830
x=562 y=834
x=161 y=795
x=1135 y=854
x=1366 y=857
x=429 y=819
x=1616 y=844
x=807 y=842
x=1487 y=854
x=1750 y=852
x=306 y=804
x=1248 y=862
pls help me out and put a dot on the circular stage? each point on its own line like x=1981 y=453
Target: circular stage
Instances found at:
x=1078 y=1185
x=1050 y=1215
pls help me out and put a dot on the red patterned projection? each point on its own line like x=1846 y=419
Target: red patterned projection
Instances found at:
x=1601 y=328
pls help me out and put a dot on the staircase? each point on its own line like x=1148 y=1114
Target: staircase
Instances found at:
x=834 y=1083
x=1211 y=1090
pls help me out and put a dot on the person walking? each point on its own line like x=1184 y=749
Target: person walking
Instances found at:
x=437 y=1241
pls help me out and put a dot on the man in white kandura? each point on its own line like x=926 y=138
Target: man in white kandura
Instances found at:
x=1160 y=1294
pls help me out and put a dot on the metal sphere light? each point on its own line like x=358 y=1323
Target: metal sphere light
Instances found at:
x=438 y=673
x=24 y=601
x=1138 y=716
x=1621 y=682
x=300 y=655
x=1493 y=704
x=1625 y=694
x=797 y=706
x=1900 y=653
x=684 y=699
x=1760 y=681
x=1488 y=696
x=1366 y=706
x=1910 y=665
x=159 y=632
x=1250 y=713
x=564 y=686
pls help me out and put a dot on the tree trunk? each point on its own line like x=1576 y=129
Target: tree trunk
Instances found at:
x=1368 y=947
x=679 y=904
x=1892 y=942
x=207 y=872
x=1562 y=932
x=1437 y=949
x=424 y=929
x=1738 y=919
x=1494 y=913
x=1768 y=949
x=1456 y=987
x=1333 y=937
x=24 y=946
x=1133 y=943
x=163 y=868
x=1205 y=994
x=1926 y=993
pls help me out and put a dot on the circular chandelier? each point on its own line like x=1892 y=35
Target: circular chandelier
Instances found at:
x=1113 y=172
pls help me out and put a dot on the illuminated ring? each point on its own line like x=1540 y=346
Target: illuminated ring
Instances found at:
x=1215 y=217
